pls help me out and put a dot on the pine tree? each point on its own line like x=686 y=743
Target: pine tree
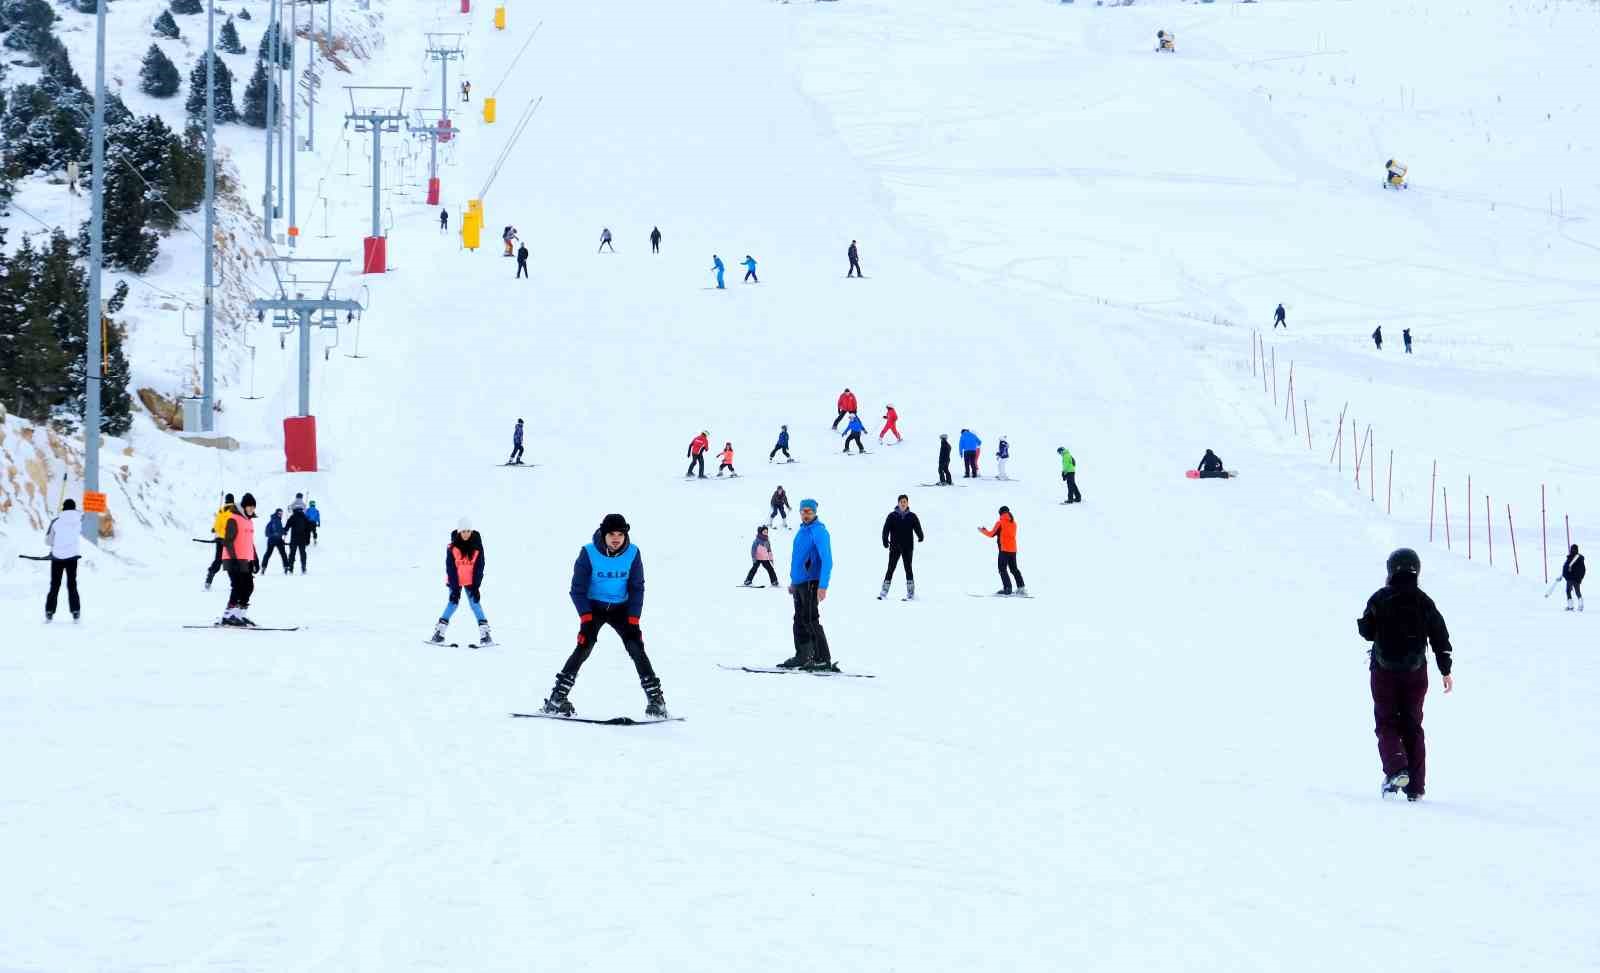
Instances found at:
x=228 y=39
x=264 y=49
x=187 y=7
x=165 y=26
x=159 y=76
x=32 y=374
x=255 y=98
x=196 y=103
x=244 y=14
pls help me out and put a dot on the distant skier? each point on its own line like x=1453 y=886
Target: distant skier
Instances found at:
x=315 y=516
x=698 y=447
x=522 y=261
x=810 y=567
x=444 y=221
x=608 y=589
x=1069 y=473
x=655 y=239
x=1278 y=320
x=508 y=236
x=780 y=507
x=464 y=563
x=891 y=424
x=298 y=527
x=275 y=543
x=761 y=557
x=945 y=478
x=902 y=532
x=726 y=464
x=1405 y=335
x=219 y=522
x=969 y=453
x=1002 y=453
x=1401 y=621
x=1211 y=467
x=466 y=91
x=1004 y=532
x=516 y=445
x=239 y=558
x=855 y=261
x=1572 y=573
x=63 y=534
x=605 y=240
x=1377 y=337
x=852 y=433
x=716 y=265
x=750 y=270
x=782 y=446
x=847 y=405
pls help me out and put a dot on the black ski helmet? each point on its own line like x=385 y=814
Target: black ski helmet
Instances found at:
x=1404 y=559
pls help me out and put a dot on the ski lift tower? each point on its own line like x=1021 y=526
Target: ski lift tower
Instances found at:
x=290 y=309
x=445 y=48
x=376 y=109
x=425 y=128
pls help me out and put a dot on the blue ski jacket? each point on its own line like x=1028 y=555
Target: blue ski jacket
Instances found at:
x=854 y=426
x=314 y=515
x=812 y=559
x=516 y=435
x=783 y=439
x=716 y=264
x=275 y=528
x=750 y=263
x=609 y=579
x=969 y=441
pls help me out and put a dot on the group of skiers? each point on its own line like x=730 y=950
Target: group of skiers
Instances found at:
x=233 y=540
x=1280 y=320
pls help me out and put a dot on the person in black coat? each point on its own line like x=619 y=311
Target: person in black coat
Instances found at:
x=1278 y=320
x=1377 y=337
x=1401 y=621
x=1211 y=467
x=299 y=530
x=855 y=261
x=1572 y=573
x=945 y=479
x=902 y=531
x=522 y=260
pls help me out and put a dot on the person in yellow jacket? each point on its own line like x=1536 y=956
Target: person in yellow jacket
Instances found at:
x=1069 y=472
x=239 y=552
x=218 y=524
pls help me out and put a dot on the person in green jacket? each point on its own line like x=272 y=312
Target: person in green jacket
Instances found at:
x=1069 y=472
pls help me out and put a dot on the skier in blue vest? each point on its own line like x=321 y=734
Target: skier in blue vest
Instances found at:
x=608 y=589
x=810 y=567
x=716 y=264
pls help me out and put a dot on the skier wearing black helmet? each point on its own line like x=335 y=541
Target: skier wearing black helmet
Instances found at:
x=1400 y=622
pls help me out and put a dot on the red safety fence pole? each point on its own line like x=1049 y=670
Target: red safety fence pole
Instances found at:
x=1274 y=374
x=1264 y=364
x=1433 y=492
x=1288 y=396
x=1390 y=507
x=1544 y=536
x=1306 y=409
x=1488 y=526
x=1361 y=443
x=1446 y=491
x=1469 y=516
x=1372 y=468
x=1516 y=562
x=1337 y=437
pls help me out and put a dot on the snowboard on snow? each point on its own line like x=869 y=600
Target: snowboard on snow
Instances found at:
x=1195 y=475
x=774 y=670
x=614 y=721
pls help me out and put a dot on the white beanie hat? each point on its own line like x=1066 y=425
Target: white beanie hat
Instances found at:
x=464 y=523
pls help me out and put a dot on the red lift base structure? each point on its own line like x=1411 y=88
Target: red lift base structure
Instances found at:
x=433 y=192
x=300 y=444
x=374 y=254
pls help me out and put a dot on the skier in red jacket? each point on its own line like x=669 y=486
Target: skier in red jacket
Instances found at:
x=890 y=420
x=698 y=447
x=847 y=405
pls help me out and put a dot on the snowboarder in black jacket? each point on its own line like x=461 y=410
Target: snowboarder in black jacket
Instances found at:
x=1401 y=621
x=902 y=532
x=945 y=479
x=1211 y=467
x=1572 y=573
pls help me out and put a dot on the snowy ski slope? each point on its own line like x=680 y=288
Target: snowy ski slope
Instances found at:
x=1163 y=761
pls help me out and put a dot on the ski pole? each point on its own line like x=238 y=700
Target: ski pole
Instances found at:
x=44 y=557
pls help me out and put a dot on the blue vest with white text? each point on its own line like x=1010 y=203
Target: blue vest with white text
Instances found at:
x=608 y=576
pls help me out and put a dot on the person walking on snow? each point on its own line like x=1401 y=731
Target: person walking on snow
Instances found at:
x=761 y=557
x=315 y=516
x=716 y=265
x=516 y=445
x=1069 y=473
x=697 y=454
x=444 y=221
x=782 y=446
x=1004 y=532
x=1401 y=621
x=655 y=239
x=852 y=433
x=608 y=589
x=810 y=567
x=727 y=460
x=239 y=559
x=219 y=522
x=522 y=261
x=855 y=262
x=605 y=240
x=298 y=503
x=780 y=507
x=945 y=478
x=62 y=535
x=1278 y=320
x=1572 y=573
x=891 y=420
x=1405 y=335
x=464 y=562
x=1377 y=337
x=1001 y=454
x=969 y=453
x=847 y=405
x=750 y=270
x=902 y=532
x=275 y=543
x=298 y=528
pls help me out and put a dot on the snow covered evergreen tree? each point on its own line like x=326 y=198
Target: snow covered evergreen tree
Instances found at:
x=165 y=26
x=264 y=50
x=187 y=7
x=158 y=76
x=255 y=98
x=228 y=39
x=196 y=103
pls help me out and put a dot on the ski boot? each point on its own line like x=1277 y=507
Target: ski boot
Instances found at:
x=1003 y=593
x=800 y=660
x=1022 y=591
x=1413 y=797
x=1569 y=604
x=823 y=665
x=884 y=591
x=77 y=617
x=911 y=590
x=558 y=704
x=484 y=638
x=1580 y=604
x=655 y=700
x=48 y=616
x=1396 y=782
x=439 y=628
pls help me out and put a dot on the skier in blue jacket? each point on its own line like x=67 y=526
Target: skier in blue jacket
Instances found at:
x=716 y=264
x=750 y=269
x=516 y=446
x=275 y=542
x=969 y=445
x=315 y=516
x=852 y=433
x=608 y=589
x=783 y=445
x=810 y=568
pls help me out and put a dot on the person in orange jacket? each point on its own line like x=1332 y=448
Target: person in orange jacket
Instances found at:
x=698 y=446
x=891 y=419
x=727 y=460
x=1005 y=533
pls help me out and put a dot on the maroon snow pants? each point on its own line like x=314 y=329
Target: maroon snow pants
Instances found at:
x=1397 y=711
